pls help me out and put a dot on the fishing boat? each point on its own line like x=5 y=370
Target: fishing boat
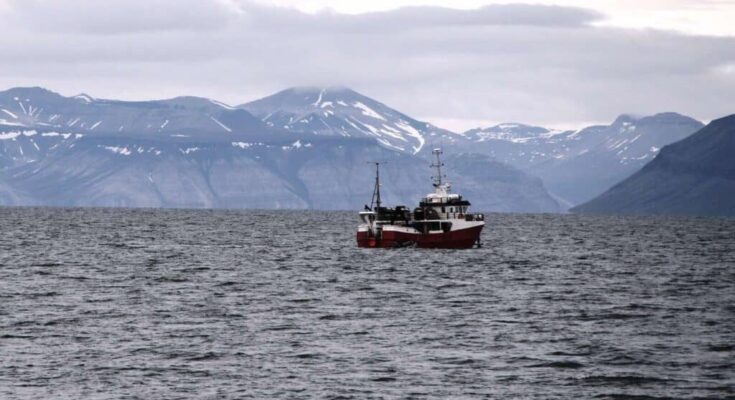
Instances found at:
x=441 y=220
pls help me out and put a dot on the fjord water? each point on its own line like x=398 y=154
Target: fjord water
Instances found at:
x=116 y=303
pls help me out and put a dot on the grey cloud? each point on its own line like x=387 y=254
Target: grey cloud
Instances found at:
x=534 y=64
x=424 y=17
x=120 y=16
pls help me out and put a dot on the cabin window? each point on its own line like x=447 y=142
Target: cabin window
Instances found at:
x=443 y=210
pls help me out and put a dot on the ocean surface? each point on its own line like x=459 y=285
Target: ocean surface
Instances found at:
x=169 y=304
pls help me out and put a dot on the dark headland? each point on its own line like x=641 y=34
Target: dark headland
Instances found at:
x=695 y=176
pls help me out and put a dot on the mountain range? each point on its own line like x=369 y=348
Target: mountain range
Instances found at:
x=196 y=152
x=304 y=147
x=577 y=165
x=694 y=176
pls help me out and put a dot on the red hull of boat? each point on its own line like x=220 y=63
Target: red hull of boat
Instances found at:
x=461 y=239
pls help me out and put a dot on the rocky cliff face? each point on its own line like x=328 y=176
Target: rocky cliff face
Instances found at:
x=694 y=176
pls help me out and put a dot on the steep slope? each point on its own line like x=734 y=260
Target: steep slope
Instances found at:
x=694 y=176
x=578 y=165
x=343 y=112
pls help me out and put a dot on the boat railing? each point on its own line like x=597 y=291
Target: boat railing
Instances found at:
x=474 y=217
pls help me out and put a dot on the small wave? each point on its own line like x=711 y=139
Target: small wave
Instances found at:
x=465 y=361
x=205 y=357
x=723 y=347
x=307 y=356
x=45 y=294
x=75 y=278
x=570 y=354
x=10 y=336
x=612 y=316
x=48 y=264
x=623 y=380
x=171 y=279
x=280 y=328
x=302 y=300
x=61 y=321
x=622 y=396
x=559 y=364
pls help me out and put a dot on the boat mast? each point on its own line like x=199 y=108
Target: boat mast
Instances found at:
x=376 y=191
x=438 y=165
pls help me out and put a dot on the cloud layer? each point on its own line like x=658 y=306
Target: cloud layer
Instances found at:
x=537 y=64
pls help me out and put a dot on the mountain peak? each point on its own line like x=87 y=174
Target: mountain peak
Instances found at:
x=671 y=117
x=29 y=89
x=315 y=97
x=317 y=89
x=340 y=111
x=27 y=92
x=84 y=98
x=515 y=126
x=509 y=131
x=625 y=118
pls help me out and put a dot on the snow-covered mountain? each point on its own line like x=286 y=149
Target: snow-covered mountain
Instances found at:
x=37 y=107
x=343 y=112
x=196 y=152
x=512 y=132
x=36 y=120
x=519 y=144
x=578 y=165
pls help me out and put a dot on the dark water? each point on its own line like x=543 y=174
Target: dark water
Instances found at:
x=224 y=304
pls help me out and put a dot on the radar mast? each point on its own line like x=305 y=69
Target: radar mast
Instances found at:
x=440 y=183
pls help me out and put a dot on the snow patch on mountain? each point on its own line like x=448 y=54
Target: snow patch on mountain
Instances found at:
x=12 y=115
x=368 y=111
x=118 y=150
x=189 y=150
x=221 y=104
x=84 y=98
x=225 y=127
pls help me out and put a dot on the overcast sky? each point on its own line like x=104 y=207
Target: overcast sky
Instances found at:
x=458 y=64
